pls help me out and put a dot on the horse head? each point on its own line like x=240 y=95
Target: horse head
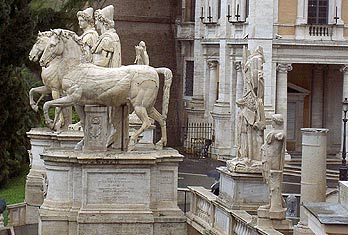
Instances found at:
x=54 y=48
x=39 y=46
x=61 y=44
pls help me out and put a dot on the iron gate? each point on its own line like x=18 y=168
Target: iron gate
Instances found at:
x=198 y=139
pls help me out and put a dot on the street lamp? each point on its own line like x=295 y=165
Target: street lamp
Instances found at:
x=343 y=168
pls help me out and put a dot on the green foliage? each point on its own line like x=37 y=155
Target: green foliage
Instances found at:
x=16 y=38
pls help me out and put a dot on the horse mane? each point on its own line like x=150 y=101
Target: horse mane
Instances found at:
x=72 y=49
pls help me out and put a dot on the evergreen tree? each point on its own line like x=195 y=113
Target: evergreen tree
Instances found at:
x=16 y=39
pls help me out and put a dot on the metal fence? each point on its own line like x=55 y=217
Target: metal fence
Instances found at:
x=198 y=139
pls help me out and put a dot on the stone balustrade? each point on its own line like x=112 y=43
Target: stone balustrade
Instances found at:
x=16 y=214
x=208 y=216
x=319 y=32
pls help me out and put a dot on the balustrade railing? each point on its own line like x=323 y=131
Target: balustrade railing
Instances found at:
x=320 y=30
x=209 y=216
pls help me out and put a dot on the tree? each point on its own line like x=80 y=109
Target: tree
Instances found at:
x=16 y=39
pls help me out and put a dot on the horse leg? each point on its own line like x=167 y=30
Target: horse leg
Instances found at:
x=81 y=112
x=142 y=114
x=161 y=120
x=61 y=102
x=43 y=90
x=60 y=123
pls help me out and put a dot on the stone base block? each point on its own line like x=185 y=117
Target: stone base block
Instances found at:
x=112 y=192
x=34 y=188
x=242 y=191
x=282 y=225
x=302 y=230
x=264 y=212
x=32 y=214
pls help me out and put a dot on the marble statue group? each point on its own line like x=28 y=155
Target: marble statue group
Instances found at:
x=87 y=70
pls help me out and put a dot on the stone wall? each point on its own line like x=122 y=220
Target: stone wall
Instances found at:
x=153 y=22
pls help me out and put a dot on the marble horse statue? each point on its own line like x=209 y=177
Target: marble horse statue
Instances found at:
x=88 y=84
x=50 y=76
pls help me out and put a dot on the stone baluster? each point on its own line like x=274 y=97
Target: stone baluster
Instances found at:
x=2 y=220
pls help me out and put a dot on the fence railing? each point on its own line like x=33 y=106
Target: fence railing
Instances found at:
x=198 y=139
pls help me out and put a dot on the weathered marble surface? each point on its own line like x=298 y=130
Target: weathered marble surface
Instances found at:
x=41 y=139
x=251 y=116
x=273 y=154
x=242 y=191
x=112 y=191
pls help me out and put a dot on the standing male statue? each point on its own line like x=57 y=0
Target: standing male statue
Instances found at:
x=90 y=35
x=273 y=154
x=251 y=117
x=107 y=51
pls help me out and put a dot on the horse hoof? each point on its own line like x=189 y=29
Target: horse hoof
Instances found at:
x=130 y=148
x=159 y=146
x=79 y=145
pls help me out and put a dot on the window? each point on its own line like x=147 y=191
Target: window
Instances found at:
x=190 y=8
x=189 y=78
x=318 y=11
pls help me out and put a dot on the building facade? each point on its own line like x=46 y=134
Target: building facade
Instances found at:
x=306 y=64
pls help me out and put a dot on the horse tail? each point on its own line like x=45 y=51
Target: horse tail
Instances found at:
x=168 y=75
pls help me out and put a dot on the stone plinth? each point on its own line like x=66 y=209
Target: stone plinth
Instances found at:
x=313 y=172
x=112 y=192
x=40 y=139
x=96 y=131
x=242 y=191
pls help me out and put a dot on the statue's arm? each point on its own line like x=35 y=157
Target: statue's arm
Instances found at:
x=280 y=136
x=103 y=53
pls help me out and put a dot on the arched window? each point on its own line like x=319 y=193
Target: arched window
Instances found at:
x=318 y=11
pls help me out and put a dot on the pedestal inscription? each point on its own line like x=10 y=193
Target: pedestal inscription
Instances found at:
x=115 y=188
x=166 y=185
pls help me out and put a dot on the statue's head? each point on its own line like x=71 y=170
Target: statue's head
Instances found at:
x=277 y=121
x=85 y=18
x=104 y=17
x=142 y=44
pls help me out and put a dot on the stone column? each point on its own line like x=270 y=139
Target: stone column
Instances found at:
x=238 y=95
x=282 y=91
x=313 y=172
x=212 y=84
x=318 y=96
x=344 y=70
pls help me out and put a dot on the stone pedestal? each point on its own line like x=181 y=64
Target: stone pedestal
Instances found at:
x=242 y=191
x=112 y=192
x=40 y=139
x=313 y=172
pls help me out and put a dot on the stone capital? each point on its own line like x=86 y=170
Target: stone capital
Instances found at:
x=284 y=68
x=238 y=66
x=212 y=64
x=344 y=69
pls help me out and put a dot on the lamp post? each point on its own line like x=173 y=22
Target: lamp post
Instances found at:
x=343 y=168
